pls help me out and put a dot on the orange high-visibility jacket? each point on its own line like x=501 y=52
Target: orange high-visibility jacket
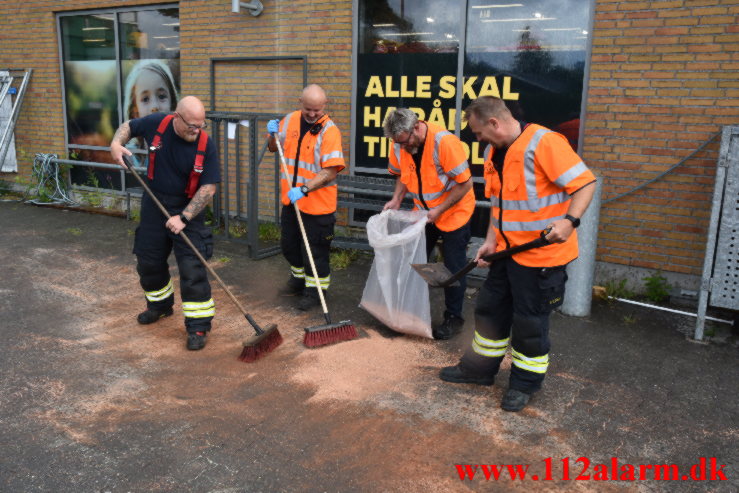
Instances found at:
x=443 y=166
x=540 y=171
x=317 y=151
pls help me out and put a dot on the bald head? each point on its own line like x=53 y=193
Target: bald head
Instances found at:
x=313 y=101
x=191 y=106
x=189 y=118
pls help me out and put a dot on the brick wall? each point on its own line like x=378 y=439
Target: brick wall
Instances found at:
x=663 y=80
x=28 y=39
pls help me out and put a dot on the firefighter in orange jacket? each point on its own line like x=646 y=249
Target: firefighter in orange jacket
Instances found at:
x=535 y=181
x=312 y=147
x=432 y=167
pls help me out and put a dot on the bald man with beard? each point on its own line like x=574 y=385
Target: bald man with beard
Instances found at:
x=182 y=173
x=312 y=146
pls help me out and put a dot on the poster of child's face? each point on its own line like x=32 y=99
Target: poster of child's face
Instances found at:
x=149 y=86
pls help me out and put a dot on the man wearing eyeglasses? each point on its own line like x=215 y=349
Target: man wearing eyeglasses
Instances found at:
x=183 y=172
x=431 y=166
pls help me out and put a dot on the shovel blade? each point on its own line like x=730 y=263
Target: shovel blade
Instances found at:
x=435 y=275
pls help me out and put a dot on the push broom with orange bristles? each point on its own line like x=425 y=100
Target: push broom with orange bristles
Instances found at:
x=266 y=339
x=328 y=333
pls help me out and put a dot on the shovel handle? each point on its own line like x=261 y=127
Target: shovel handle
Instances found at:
x=491 y=257
x=539 y=242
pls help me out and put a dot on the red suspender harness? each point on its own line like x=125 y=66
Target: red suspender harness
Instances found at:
x=192 y=184
x=156 y=143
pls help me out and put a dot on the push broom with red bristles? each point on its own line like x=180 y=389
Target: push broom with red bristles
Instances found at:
x=265 y=340
x=329 y=333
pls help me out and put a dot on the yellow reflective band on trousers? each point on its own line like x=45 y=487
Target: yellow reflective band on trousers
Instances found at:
x=310 y=282
x=160 y=294
x=298 y=272
x=536 y=364
x=199 y=309
x=489 y=347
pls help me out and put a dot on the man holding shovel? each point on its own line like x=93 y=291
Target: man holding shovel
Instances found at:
x=535 y=181
x=183 y=172
x=312 y=148
x=432 y=167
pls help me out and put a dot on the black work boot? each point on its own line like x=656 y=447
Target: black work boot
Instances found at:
x=294 y=286
x=457 y=374
x=309 y=299
x=196 y=340
x=514 y=400
x=149 y=316
x=451 y=325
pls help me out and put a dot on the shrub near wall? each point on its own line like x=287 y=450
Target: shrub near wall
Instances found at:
x=663 y=80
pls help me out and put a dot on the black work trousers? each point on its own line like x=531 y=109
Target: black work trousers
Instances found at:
x=319 y=229
x=513 y=306
x=152 y=246
x=454 y=250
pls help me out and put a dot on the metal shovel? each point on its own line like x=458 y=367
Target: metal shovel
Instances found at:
x=438 y=276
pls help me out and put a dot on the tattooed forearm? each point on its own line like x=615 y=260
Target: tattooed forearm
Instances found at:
x=123 y=134
x=322 y=178
x=200 y=200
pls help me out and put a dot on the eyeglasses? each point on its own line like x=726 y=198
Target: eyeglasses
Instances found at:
x=190 y=125
x=404 y=142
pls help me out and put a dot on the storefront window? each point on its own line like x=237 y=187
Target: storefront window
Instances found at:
x=408 y=57
x=117 y=65
x=530 y=53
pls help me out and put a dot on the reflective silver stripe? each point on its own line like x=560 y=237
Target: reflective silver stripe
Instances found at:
x=489 y=347
x=572 y=173
x=393 y=168
x=536 y=364
x=310 y=282
x=523 y=205
x=489 y=352
x=160 y=294
x=298 y=272
x=396 y=149
x=524 y=225
x=302 y=164
x=283 y=133
x=332 y=155
x=437 y=161
x=488 y=152
x=317 y=157
x=529 y=168
x=459 y=169
x=491 y=342
x=199 y=309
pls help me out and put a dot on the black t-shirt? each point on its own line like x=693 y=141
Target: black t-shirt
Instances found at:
x=175 y=157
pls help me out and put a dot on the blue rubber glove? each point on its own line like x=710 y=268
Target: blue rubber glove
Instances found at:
x=273 y=126
x=295 y=194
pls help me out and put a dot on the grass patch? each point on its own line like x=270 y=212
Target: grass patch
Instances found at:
x=657 y=288
x=236 y=229
x=269 y=232
x=224 y=259
x=341 y=259
x=74 y=231
x=618 y=289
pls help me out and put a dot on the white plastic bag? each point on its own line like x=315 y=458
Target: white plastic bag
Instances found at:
x=395 y=294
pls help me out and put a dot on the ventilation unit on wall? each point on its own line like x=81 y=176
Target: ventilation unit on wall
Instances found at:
x=254 y=7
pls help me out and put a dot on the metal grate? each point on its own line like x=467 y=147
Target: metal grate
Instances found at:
x=725 y=284
x=720 y=280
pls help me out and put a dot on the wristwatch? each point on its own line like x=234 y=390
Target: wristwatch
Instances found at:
x=574 y=220
x=304 y=189
x=184 y=220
